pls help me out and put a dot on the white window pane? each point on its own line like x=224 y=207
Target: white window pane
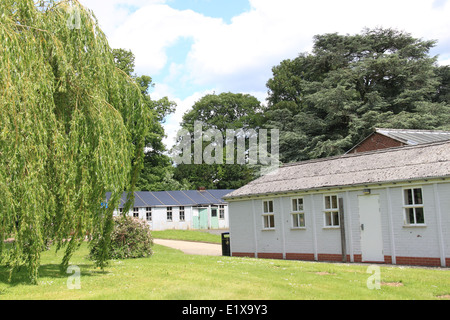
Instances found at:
x=327 y=202
x=334 y=199
x=408 y=197
x=418 y=196
x=328 y=221
x=335 y=218
x=300 y=204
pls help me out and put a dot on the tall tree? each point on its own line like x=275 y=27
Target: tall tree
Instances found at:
x=220 y=112
x=324 y=102
x=72 y=128
x=157 y=172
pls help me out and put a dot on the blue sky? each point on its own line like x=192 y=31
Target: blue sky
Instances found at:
x=194 y=47
x=224 y=9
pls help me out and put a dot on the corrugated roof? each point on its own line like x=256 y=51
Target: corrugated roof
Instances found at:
x=387 y=165
x=409 y=136
x=414 y=137
x=175 y=198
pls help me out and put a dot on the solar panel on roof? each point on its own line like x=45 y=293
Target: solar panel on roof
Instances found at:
x=150 y=199
x=165 y=198
x=174 y=198
x=182 y=198
x=220 y=193
x=208 y=196
x=196 y=196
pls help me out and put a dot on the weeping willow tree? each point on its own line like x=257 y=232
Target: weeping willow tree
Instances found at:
x=72 y=128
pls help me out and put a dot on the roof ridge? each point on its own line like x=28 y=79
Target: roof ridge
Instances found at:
x=355 y=171
x=361 y=154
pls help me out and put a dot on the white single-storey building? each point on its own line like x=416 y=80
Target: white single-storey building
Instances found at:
x=181 y=210
x=387 y=206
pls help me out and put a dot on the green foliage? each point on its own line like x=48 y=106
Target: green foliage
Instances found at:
x=72 y=128
x=130 y=238
x=224 y=111
x=157 y=171
x=325 y=102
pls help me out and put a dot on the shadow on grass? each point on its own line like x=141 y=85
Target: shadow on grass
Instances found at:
x=47 y=271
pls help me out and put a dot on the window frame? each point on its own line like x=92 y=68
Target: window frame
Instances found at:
x=298 y=214
x=221 y=211
x=332 y=212
x=268 y=218
x=182 y=214
x=148 y=213
x=414 y=206
x=135 y=212
x=169 y=214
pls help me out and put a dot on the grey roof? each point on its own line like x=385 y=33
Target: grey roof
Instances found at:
x=414 y=137
x=386 y=165
x=410 y=136
x=175 y=198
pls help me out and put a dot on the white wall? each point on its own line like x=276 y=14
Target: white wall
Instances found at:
x=432 y=240
x=159 y=218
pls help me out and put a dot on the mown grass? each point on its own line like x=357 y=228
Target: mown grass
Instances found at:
x=187 y=235
x=171 y=275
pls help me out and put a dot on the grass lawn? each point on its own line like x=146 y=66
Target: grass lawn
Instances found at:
x=171 y=275
x=187 y=235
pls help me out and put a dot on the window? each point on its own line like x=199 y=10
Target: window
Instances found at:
x=181 y=213
x=268 y=215
x=169 y=213
x=298 y=215
x=136 y=212
x=331 y=211
x=120 y=211
x=413 y=204
x=221 y=211
x=148 y=213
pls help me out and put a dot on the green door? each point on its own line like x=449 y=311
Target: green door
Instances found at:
x=195 y=220
x=214 y=219
x=203 y=218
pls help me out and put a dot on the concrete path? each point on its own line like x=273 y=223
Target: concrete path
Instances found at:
x=189 y=247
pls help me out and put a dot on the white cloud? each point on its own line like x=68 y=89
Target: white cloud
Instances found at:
x=238 y=57
x=149 y=31
x=172 y=124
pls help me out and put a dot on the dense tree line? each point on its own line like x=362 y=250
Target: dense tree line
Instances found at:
x=325 y=101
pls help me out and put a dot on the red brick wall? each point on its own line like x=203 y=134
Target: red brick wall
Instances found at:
x=375 y=142
x=300 y=256
x=243 y=254
x=432 y=262
x=324 y=257
x=264 y=255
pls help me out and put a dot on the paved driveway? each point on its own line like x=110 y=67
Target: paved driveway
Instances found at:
x=188 y=247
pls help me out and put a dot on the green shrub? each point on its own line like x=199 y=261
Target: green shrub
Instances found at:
x=131 y=238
